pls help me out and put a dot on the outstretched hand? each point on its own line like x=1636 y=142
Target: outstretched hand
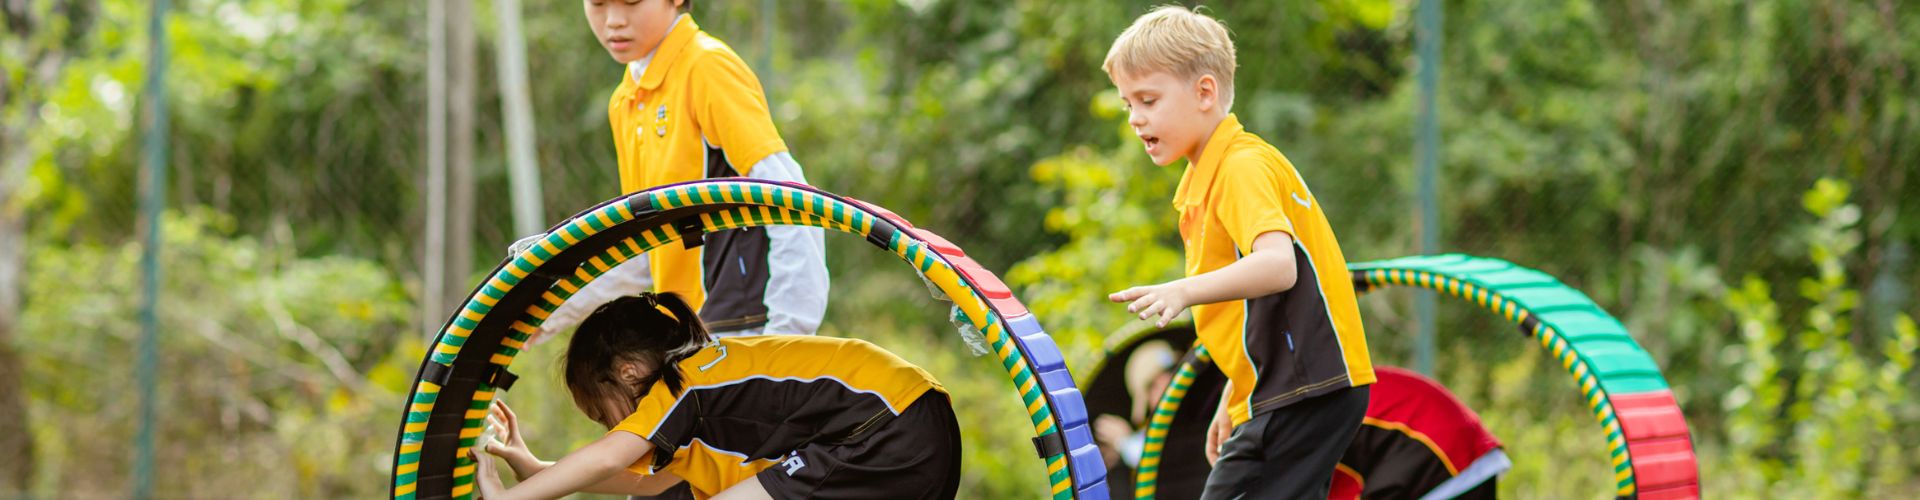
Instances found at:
x=509 y=443
x=486 y=477
x=1159 y=303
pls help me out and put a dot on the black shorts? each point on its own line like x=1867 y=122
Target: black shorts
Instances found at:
x=1290 y=451
x=915 y=455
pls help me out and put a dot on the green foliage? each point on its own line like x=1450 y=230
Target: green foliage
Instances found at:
x=1815 y=416
x=1639 y=150
x=1112 y=209
x=275 y=366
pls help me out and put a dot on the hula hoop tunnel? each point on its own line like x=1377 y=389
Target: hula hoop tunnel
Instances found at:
x=1647 y=436
x=468 y=363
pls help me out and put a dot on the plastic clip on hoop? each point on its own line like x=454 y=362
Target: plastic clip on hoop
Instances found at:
x=1050 y=444
x=691 y=233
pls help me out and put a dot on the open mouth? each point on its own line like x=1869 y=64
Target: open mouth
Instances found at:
x=1152 y=142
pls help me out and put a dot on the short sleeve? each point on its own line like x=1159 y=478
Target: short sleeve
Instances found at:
x=649 y=421
x=1249 y=200
x=732 y=110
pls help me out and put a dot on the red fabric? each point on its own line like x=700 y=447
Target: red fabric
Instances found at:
x=1346 y=485
x=1422 y=410
x=1424 y=406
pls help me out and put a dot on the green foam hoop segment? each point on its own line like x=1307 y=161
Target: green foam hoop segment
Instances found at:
x=1647 y=437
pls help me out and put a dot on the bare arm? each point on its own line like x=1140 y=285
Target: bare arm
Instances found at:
x=1270 y=269
x=627 y=482
x=589 y=467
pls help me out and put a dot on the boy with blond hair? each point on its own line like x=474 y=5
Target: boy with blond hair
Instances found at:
x=1269 y=287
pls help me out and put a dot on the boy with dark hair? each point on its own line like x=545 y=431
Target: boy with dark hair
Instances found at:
x=689 y=108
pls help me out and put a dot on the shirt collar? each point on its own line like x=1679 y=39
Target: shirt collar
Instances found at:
x=648 y=74
x=1199 y=176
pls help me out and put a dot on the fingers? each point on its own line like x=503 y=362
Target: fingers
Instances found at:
x=1218 y=439
x=1217 y=434
x=509 y=411
x=1149 y=307
x=1152 y=307
x=511 y=427
x=1126 y=295
x=1213 y=444
x=501 y=432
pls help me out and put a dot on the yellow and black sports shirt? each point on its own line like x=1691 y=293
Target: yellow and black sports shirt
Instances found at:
x=758 y=398
x=708 y=471
x=696 y=112
x=1284 y=347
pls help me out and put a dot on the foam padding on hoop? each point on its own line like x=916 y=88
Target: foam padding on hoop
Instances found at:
x=503 y=313
x=1647 y=436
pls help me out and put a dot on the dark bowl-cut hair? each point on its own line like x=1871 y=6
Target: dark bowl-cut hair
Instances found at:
x=655 y=331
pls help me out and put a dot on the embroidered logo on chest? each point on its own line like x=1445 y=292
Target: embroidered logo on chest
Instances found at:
x=660 y=121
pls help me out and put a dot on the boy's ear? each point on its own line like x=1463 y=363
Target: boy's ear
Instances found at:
x=1207 y=91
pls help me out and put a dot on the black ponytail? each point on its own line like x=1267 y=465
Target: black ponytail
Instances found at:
x=655 y=331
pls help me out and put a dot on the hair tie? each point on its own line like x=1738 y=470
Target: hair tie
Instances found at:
x=653 y=301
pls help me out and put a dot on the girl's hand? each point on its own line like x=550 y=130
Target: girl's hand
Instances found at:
x=486 y=477
x=509 y=443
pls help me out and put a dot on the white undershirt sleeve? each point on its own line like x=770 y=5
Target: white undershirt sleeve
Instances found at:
x=797 y=282
x=629 y=278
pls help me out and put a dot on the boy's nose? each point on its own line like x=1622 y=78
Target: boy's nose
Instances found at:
x=1135 y=119
x=616 y=19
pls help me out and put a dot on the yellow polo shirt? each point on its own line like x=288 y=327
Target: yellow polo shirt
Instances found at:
x=1291 y=345
x=749 y=401
x=696 y=112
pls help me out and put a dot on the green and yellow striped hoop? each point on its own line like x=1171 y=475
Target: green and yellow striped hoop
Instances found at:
x=500 y=316
x=1647 y=438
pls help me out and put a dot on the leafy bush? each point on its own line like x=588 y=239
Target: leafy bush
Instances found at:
x=278 y=375
x=1819 y=413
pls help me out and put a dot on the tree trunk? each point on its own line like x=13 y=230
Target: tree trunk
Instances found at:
x=517 y=110
x=46 y=65
x=460 y=108
x=433 y=257
x=16 y=437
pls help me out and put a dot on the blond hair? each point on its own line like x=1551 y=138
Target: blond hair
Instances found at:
x=1177 y=41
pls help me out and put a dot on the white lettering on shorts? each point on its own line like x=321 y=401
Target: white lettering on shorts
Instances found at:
x=794 y=463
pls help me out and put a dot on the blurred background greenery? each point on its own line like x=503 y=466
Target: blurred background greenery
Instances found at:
x=1733 y=179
